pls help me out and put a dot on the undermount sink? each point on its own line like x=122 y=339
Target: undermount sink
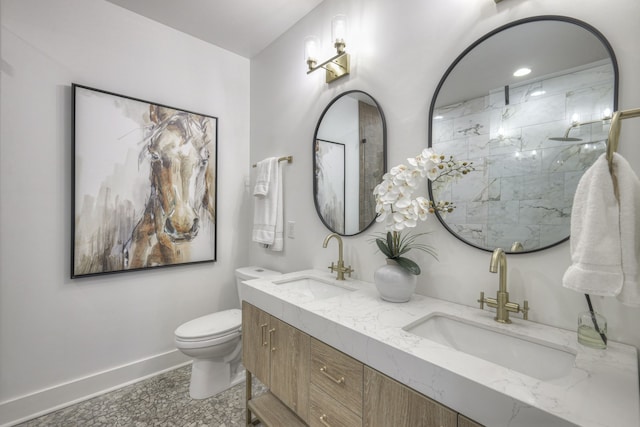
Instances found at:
x=313 y=287
x=541 y=360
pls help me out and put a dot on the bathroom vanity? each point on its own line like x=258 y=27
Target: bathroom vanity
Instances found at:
x=333 y=353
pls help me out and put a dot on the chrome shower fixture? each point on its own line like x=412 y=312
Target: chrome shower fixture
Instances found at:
x=568 y=138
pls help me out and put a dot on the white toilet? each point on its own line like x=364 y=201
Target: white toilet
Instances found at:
x=215 y=343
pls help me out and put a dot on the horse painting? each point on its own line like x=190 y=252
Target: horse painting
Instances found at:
x=144 y=184
x=182 y=193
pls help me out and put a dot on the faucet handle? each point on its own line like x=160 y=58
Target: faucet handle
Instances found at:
x=481 y=300
x=525 y=310
x=332 y=267
x=349 y=270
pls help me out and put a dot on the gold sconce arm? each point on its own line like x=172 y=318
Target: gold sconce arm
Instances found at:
x=336 y=66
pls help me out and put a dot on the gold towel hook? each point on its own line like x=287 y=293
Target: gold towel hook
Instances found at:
x=614 y=132
x=613 y=139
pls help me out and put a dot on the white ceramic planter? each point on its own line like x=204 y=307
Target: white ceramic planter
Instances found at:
x=394 y=283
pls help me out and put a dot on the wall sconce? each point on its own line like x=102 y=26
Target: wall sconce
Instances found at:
x=338 y=65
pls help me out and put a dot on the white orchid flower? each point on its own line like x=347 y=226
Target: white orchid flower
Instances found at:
x=433 y=172
x=395 y=202
x=421 y=206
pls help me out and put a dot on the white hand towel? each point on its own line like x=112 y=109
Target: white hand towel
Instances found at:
x=265 y=168
x=595 y=235
x=266 y=208
x=629 y=198
x=278 y=240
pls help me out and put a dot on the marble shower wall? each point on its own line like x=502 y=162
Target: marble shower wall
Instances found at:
x=524 y=183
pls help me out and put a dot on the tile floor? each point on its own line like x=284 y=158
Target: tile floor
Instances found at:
x=162 y=400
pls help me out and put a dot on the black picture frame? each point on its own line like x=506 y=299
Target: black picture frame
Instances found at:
x=144 y=184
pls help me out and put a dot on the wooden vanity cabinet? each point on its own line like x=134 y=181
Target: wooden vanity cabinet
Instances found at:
x=313 y=384
x=278 y=355
x=389 y=403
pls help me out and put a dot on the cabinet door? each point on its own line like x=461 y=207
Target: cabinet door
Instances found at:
x=255 y=342
x=290 y=367
x=466 y=422
x=389 y=403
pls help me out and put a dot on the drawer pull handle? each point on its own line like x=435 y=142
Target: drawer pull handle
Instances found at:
x=271 y=331
x=323 y=420
x=264 y=334
x=335 y=380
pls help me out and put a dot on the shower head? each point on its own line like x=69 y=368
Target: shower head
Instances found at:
x=567 y=138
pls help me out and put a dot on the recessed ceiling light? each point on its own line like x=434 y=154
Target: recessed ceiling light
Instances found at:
x=538 y=93
x=438 y=118
x=522 y=72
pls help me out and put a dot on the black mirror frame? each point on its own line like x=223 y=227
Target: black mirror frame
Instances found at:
x=315 y=136
x=475 y=44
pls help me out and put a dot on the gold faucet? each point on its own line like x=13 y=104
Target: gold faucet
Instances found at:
x=340 y=268
x=501 y=303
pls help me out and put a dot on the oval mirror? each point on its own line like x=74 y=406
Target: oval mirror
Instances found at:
x=349 y=159
x=530 y=134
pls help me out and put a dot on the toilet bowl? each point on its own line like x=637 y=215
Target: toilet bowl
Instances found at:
x=214 y=341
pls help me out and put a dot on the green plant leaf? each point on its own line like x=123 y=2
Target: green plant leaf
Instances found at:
x=390 y=245
x=382 y=245
x=409 y=265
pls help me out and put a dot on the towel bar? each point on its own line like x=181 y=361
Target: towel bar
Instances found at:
x=289 y=159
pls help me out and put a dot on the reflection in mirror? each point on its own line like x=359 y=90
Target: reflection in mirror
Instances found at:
x=349 y=159
x=530 y=137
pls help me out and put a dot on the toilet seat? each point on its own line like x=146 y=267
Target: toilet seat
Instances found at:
x=221 y=326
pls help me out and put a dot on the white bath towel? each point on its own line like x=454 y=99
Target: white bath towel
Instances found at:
x=265 y=169
x=595 y=235
x=278 y=240
x=629 y=202
x=265 y=207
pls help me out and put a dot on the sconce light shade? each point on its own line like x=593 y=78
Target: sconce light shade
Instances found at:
x=338 y=65
x=339 y=32
x=311 y=49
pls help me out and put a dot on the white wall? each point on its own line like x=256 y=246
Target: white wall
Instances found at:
x=84 y=335
x=400 y=50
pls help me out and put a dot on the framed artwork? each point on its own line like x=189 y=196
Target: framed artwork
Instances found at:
x=144 y=184
x=330 y=179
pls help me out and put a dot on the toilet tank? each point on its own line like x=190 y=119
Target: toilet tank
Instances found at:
x=253 y=272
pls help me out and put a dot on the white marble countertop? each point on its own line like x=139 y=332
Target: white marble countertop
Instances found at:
x=601 y=389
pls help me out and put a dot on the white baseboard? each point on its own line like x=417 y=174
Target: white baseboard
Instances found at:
x=51 y=399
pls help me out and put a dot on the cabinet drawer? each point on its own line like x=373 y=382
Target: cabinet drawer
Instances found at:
x=338 y=375
x=389 y=403
x=326 y=411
